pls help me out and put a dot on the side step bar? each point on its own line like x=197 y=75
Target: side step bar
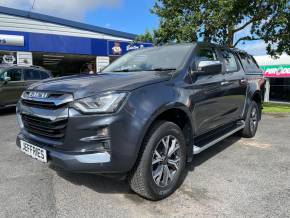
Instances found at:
x=197 y=150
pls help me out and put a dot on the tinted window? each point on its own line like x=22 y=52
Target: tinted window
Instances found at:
x=230 y=61
x=249 y=64
x=30 y=74
x=43 y=75
x=14 y=74
x=206 y=54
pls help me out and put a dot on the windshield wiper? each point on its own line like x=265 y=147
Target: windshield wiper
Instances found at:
x=124 y=70
x=161 y=69
x=154 y=69
x=127 y=70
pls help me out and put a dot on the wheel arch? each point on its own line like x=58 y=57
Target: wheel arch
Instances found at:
x=181 y=116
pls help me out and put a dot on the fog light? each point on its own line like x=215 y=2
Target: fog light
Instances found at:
x=102 y=133
x=97 y=147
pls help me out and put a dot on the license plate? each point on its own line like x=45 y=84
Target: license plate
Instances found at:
x=34 y=151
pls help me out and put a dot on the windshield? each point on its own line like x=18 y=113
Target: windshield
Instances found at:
x=151 y=59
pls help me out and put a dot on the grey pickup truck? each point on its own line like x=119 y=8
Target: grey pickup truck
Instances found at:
x=144 y=116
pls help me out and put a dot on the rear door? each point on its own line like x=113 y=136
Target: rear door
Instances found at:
x=207 y=93
x=12 y=90
x=234 y=86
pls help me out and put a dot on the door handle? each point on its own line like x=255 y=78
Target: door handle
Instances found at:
x=224 y=83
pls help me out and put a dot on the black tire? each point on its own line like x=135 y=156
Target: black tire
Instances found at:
x=252 y=121
x=141 y=178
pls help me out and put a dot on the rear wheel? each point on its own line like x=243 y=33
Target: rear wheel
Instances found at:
x=252 y=121
x=159 y=170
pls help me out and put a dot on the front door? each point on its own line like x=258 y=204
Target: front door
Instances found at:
x=207 y=93
x=11 y=90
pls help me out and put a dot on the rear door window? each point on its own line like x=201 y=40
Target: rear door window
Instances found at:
x=249 y=64
x=30 y=74
x=43 y=75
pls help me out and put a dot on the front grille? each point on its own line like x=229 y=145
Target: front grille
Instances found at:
x=44 y=127
x=43 y=100
x=39 y=104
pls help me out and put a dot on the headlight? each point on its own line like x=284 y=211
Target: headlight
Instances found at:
x=103 y=103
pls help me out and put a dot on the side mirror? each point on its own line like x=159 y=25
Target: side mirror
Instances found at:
x=208 y=67
x=7 y=79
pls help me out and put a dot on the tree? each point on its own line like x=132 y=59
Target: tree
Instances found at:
x=226 y=22
x=146 y=37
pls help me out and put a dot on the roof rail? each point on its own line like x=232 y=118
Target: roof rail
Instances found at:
x=238 y=50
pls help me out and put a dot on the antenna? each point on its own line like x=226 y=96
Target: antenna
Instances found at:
x=32 y=7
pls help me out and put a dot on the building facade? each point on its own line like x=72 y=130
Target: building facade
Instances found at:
x=59 y=45
x=277 y=74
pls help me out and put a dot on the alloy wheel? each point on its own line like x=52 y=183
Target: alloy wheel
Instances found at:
x=253 y=119
x=166 y=161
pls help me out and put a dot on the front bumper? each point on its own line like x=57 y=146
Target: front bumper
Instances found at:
x=90 y=162
x=73 y=154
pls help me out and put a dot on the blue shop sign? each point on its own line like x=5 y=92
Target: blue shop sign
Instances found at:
x=118 y=48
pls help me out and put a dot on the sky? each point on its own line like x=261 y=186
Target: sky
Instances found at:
x=131 y=16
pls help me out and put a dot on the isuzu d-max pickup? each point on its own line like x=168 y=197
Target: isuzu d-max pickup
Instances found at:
x=144 y=116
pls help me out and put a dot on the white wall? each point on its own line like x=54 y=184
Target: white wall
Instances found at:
x=13 y=23
x=266 y=60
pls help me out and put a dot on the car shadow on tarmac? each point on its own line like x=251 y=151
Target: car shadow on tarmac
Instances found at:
x=7 y=111
x=98 y=183
x=109 y=185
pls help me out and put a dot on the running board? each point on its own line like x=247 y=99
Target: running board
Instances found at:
x=197 y=150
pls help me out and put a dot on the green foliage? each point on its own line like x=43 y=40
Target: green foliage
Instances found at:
x=146 y=37
x=220 y=21
x=276 y=108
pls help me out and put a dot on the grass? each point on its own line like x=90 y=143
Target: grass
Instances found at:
x=276 y=108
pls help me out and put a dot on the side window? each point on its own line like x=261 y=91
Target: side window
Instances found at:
x=230 y=61
x=248 y=63
x=14 y=74
x=207 y=54
x=30 y=74
x=253 y=64
x=43 y=75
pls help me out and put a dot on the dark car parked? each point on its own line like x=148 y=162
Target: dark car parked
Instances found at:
x=15 y=79
x=145 y=115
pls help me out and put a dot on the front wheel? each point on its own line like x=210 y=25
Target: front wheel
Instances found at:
x=252 y=121
x=158 y=172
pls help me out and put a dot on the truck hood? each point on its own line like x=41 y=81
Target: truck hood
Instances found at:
x=86 y=85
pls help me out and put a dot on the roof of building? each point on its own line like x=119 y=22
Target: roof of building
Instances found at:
x=64 y=22
x=266 y=60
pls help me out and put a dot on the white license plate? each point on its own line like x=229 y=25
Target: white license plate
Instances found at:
x=34 y=151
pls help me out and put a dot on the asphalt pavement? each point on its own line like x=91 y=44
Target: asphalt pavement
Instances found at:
x=236 y=178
